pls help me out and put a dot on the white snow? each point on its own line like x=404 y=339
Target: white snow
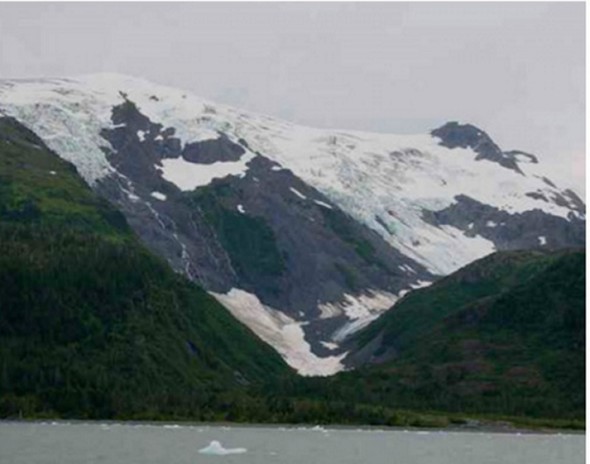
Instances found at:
x=276 y=168
x=542 y=240
x=241 y=209
x=351 y=327
x=141 y=135
x=491 y=224
x=53 y=173
x=215 y=448
x=321 y=203
x=70 y=130
x=159 y=138
x=366 y=174
x=360 y=310
x=330 y=345
x=420 y=284
x=359 y=307
x=298 y=193
x=280 y=331
x=132 y=196
x=188 y=176
x=407 y=269
x=158 y=196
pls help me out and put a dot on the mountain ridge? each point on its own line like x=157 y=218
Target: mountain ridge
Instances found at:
x=382 y=213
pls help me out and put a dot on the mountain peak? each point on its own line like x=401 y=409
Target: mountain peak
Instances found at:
x=456 y=135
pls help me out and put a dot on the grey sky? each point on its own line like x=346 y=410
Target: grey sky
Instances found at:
x=515 y=69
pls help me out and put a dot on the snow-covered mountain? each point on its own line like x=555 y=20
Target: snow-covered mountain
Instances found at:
x=305 y=234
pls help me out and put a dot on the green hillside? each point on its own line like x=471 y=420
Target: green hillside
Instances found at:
x=504 y=335
x=91 y=323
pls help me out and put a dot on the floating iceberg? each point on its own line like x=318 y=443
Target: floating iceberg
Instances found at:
x=217 y=449
x=319 y=428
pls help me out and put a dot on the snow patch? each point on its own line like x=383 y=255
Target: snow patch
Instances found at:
x=53 y=173
x=330 y=345
x=542 y=240
x=280 y=331
x=420 y=284
x=360 y=306
x=298 y=193
x=321 y=203
x=158 y=196
x=188 y=176
x=241 y=209
x=407 y=269
x=141 y=135
x=361 y=310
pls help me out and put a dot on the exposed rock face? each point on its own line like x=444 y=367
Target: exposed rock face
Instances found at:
x=530 y=229
x=454 y=134
x=266 y=232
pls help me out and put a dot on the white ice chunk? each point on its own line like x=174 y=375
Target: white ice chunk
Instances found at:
x=216 y=449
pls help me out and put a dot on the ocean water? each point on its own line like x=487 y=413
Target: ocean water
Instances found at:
x=142 y=443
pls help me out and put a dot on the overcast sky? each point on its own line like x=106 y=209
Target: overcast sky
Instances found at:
x=516 y=70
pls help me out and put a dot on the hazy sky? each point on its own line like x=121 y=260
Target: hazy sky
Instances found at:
x=517 y=70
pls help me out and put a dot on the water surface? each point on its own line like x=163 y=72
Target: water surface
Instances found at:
x=129 y=443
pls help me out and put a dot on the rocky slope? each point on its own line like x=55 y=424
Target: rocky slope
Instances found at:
x=306 y=235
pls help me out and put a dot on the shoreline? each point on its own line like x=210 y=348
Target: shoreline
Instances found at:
x=483 y=427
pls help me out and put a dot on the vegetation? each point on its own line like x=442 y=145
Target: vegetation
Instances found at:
x=92 y=324
x=249 y=241
x=505 y=335
x=338 y=222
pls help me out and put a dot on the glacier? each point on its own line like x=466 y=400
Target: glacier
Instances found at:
x=369 y=175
